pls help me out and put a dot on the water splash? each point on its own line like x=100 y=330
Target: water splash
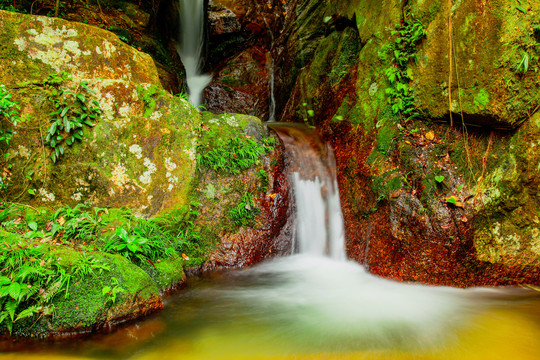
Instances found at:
x=190 y=46
x=319 y=220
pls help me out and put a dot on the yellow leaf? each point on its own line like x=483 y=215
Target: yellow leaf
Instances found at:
x=185 y=257
x=61 y=220
x=430 y=135
x=407 y=142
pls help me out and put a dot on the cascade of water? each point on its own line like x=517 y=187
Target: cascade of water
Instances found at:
x=190 y=46
x=319 y=220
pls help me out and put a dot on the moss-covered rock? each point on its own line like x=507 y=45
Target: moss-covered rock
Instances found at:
x=140 y=152
x=261 y=192
x=508 y=207
x=494 y=62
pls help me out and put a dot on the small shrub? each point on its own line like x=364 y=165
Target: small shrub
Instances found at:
x=402 y=51
x=31 y=277
x=9 y=116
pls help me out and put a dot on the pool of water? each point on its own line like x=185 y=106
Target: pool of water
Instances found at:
x=310 y=307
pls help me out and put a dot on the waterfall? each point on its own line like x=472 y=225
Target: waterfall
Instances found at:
x=319 y=220
x=190 y=46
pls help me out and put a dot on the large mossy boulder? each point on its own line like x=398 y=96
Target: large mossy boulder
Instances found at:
x=140 y=151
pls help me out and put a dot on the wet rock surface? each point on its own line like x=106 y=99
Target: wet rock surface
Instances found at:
x=242 y=85
x=417 y=195
x=245 y=244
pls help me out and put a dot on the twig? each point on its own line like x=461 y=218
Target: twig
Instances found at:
x=450 y=57
x=465 y=132
x=44 y=160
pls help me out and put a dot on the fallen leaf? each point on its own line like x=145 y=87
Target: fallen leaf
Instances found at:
x=459 y=204
x=445 y=226
x=464 y=218
x=17 y=221
x=407 y=142
x=430 y=135
x=451 y=200
x=185 y=257
x=272 y=196
x=396 y=194
x=61 y=220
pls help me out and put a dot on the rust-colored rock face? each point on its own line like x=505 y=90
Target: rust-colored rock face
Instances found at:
x=423 y=201
x=241 y=34
x=399 y=239
x=242 y=85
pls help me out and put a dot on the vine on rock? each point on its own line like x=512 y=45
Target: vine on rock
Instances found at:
x=9 y=113
x=401 y=52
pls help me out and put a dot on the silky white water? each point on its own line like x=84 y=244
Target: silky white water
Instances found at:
x=190 y=47
x=319 y=293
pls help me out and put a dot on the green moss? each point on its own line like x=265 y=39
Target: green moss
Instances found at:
x=383 y=186
x=165 y=273
x=347 y=56
x=481 y=100
x=385 y=138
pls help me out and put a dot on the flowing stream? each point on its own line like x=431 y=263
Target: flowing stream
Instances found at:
x=316 y=304
x=190 y=47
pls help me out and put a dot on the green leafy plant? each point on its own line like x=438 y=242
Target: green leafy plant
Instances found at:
x=245 y=212
x=179 y=229
x=401 y=52
x=234 y=154
x=87 y=265
x=263 y=178
x=74 y=109
x=9 y=116
x=81 y=222
x=111 y=292
x=135 y=245
x=31 y=277
x=10 y=5
x=439 y=179
x=451 y=200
